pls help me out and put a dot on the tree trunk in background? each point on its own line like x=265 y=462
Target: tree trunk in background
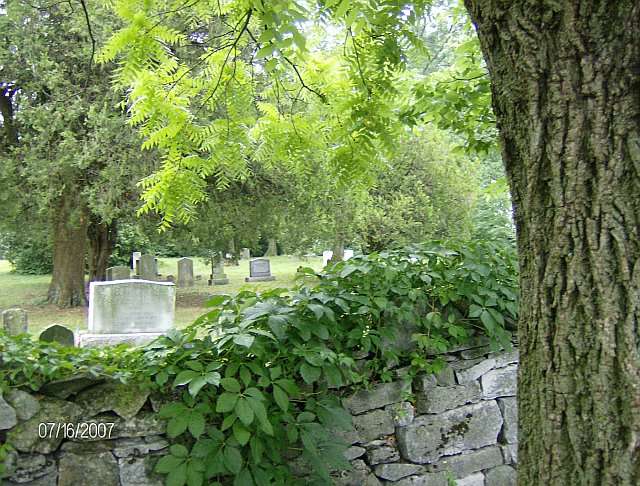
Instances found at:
x=235 y=260
x=338 y=250
x=70 y=221
x=566 y=93
x=272 y=249
x=102 y=239
x=6 y=110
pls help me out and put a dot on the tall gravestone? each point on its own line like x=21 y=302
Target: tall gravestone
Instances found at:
x=185 y=272
x=135 y=260
x=56 y=333
x=129 y=311
x=259 y=270
x=14 y=321
x=218 y=276
x=118 y=273
x=148 y=267
x=245 y=254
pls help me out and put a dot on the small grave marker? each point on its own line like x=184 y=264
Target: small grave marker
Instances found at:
x=259 y=270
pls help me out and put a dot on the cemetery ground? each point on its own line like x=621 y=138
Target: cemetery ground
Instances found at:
x=30 y=291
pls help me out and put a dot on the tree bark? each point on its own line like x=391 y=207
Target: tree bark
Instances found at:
x=272 y=249
x=102 y=239
x=338 y=250
x=7 y=112
x=70 y=234
x=566 y=93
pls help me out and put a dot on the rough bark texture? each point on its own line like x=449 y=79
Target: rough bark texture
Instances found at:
x=338 y=250
x=272 y=249
x=102 y=239
x=566 y=93
x=6 y=110
x=70 y=227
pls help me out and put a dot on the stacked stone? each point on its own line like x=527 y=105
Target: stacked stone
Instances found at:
x=463 y=426
x=124 y=457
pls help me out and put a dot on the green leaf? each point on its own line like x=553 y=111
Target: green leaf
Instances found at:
x=217 y=300
x=185 y=377
x=309 y=373
x=177 y=476
x=244 y=478
x=196 y=385
x=232 y=459
x=317 y=309
x=179 y=450
x=194 y=475
x=177 y=425
x=245 y=375
x=168 y=463
x=266 y=51
x=226 y=402
x=196 y=424
x=231 y=385
x=245 y=340
x=244 y=411
x=241 y=434
x=278 y=325
x=258 y=409
x=257 y=449
x=281 y=397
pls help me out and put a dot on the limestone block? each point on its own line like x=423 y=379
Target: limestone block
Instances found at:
x=403 y=413
x=501 y=476
x=25 y=405
x=509 y=408
x=373 y=425
x=475 y=479
x=431 y=437
x=462 y=465
x=441 y=398
x=138 y=471
x=8 y=416
x=125 y=400
x=88 y=469
x=395 y=472
x=381 y=395
x=501 y=382
x=428 y=479
x=476 y=371
x=384 y=454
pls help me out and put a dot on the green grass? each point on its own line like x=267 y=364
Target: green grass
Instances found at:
x=30 y=291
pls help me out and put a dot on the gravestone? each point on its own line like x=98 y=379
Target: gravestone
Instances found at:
x=135 y=261
x=245 y=254
x=328 y=255
x=58 y=334
x=148 y=267
x=218 y=276
x=259 y=270
x=347 y=254
x=129 y=311
x=185 y=272
x=14 y=321
x=118 y=273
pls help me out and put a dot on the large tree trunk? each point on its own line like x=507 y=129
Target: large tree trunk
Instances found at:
x=338 y=249
x=566 y=93
x=272 y=248
x=70 y=227
x=102 y=239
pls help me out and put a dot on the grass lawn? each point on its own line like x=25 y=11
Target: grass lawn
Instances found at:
x=30 y=291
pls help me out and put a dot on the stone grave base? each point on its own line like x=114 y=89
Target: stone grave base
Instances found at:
x=219 y=280
x=259 y=279
x=88 y=340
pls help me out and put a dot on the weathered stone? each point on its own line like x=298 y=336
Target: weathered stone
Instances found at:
x=509 y=408
x=140 y=446
x=139 y=426
x=50 y=479
x=354 y=452
x=185 y=272
x=65 y=388
x=125 y=400
x=501 y=476
x=259 y=270
x=25 y=436
x=119 y=272
x=381 y=395
x=29 y=467
x=446 y=376
x=441 y=398
x=360 y=475
x=25 y=405
x=395 y=472
x=90 y=340
x=475 y=352
x=372 y=425
x=93 y=447
x=461 y=465
x=8 y=416
x=56 y=333
x=147 y=267
x=430 y=437
x=501 y=382
x=245 y=254
x=428 y=479
x=504 y=358
x=88 y=470
x=402 y=413
x=510 y=453
x=465 y=364
x=475 y=479
x=138 y=471
x=383 y=454
x=14 y=321
x=476 y=371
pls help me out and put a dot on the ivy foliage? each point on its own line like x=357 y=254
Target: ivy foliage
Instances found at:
x=251 y=378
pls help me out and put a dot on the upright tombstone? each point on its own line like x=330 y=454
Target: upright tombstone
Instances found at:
x=118 y=273
x=129 y=311
x=185 y=272
x=326 y=256
x=259 y=270
x=245 y=254
x=148 y=267
x=14 y=321
x=347 y=254
x=56 y=333
x=135 y=261
x=218 y=276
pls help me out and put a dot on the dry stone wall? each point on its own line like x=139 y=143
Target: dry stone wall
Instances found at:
x=456 y=427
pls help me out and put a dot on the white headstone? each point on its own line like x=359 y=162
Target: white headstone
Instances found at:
x=129 y=311
x=135 y=259
x=347 y=254
x=326 y=256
